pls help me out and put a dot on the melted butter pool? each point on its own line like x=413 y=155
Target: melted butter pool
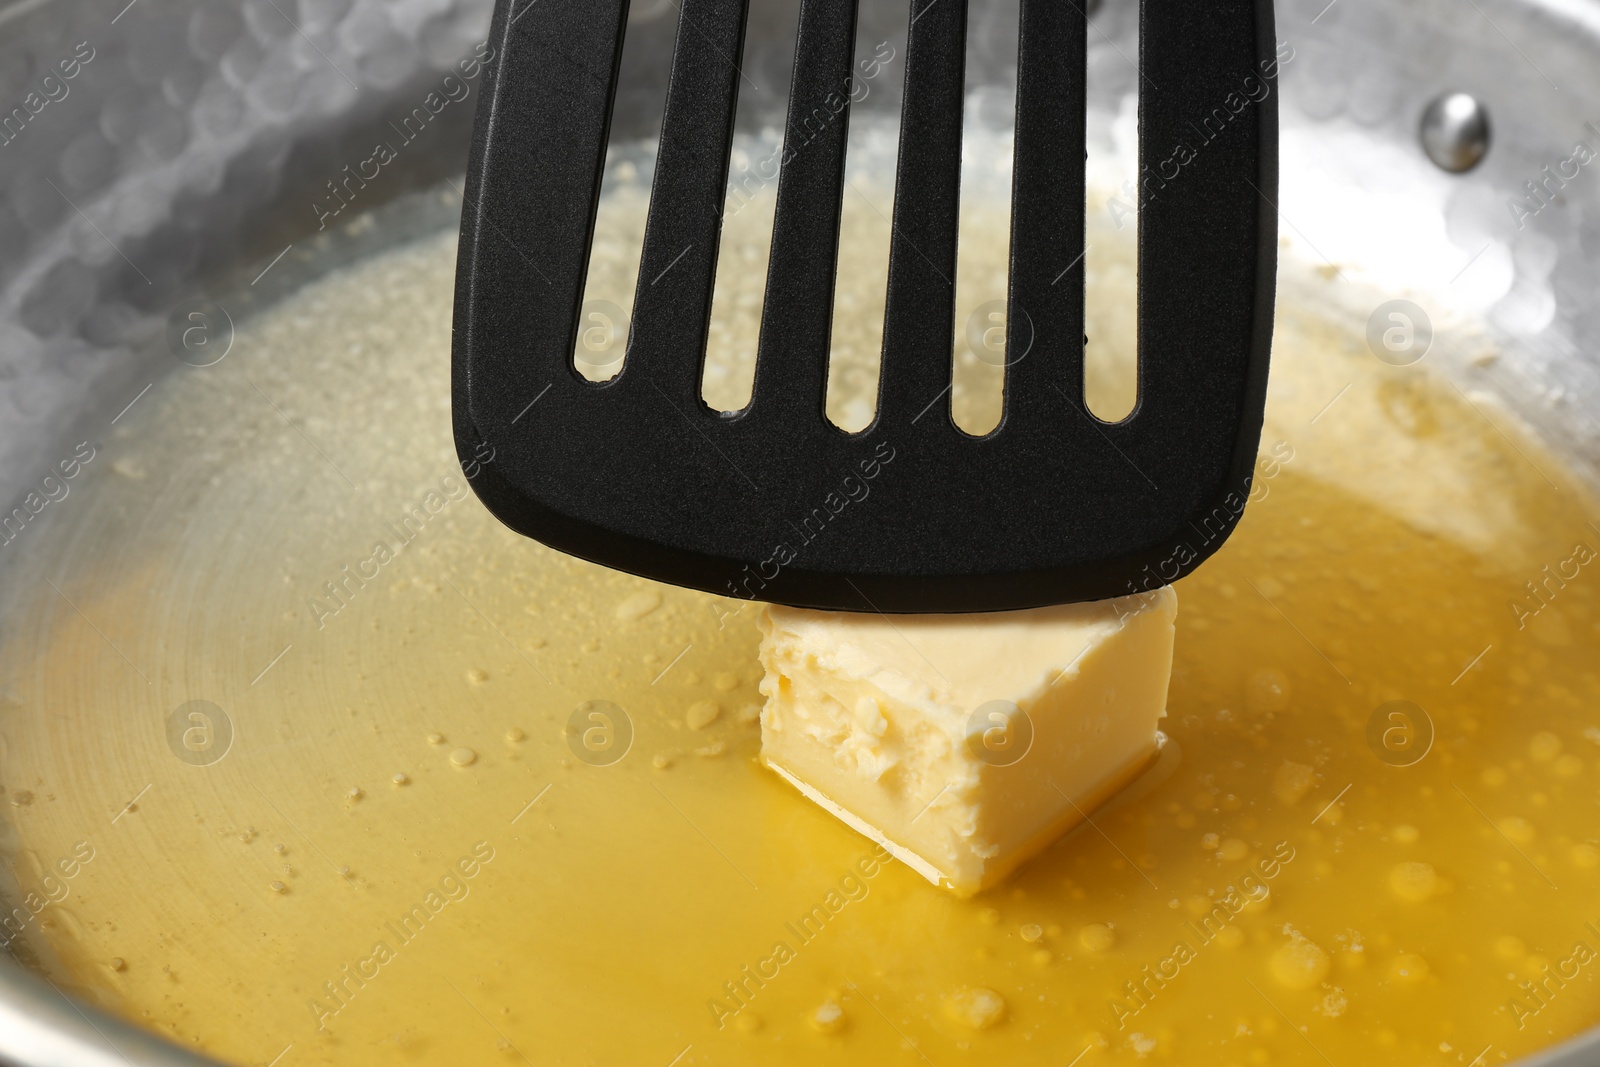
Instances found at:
x=305 y=756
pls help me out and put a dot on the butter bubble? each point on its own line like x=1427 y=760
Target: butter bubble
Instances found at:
x=1097 y=937
x=638 y=605
x=1229 y=937
x=976 y=1007
x=1267 y=690
x=1408 y=968
x=1414 y=881
x=1300 y=963
x=1516 y=828
x=1292 y=781
x=702 y=713
x=1544 y=746
x=826 y=1018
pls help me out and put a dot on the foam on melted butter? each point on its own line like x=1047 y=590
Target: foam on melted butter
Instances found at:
x=485 y=803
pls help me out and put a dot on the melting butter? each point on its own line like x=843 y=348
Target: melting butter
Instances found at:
x=653 y=892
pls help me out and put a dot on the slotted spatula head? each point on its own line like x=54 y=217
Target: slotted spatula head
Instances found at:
x=911 y=515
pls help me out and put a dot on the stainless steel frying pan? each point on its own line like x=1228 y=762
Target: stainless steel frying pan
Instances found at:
x=157 y=152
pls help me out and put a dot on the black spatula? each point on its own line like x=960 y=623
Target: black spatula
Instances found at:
x=910 y=515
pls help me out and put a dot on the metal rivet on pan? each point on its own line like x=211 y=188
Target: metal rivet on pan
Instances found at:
x=1455 y=131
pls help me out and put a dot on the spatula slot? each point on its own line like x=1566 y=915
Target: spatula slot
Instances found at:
x=1110 y=262
x=603 y=318
x=979 y=351
x=745 y=240
x=607 y=300
x=873 y=92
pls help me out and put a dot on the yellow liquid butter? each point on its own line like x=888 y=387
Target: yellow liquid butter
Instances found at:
x=307 y=760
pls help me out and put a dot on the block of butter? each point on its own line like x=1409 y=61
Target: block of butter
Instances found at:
x=965 y=744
